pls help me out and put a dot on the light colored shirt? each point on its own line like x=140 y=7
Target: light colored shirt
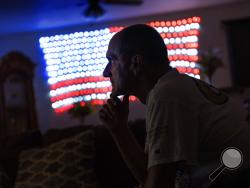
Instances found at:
x=193 y=122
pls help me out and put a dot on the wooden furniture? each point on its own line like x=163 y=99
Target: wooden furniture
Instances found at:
x=17 y=103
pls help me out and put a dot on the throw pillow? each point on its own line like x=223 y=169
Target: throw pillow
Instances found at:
x=67 y=163
x=11 y=147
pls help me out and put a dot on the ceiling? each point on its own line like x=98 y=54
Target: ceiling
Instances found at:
x=34 y=15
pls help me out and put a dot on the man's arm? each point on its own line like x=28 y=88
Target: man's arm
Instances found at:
x=132 y=154
x=161 y=176
x=114 y=116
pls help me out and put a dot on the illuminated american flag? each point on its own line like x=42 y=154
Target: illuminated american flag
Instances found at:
x=74 y=62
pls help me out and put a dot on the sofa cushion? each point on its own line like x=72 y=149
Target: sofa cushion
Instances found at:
x=54 y=135
x=64 y=164
x=11 y=147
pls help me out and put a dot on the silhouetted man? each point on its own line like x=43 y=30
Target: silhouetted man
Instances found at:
x=189 y=123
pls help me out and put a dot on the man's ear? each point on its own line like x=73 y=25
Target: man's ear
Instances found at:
x=136 y=64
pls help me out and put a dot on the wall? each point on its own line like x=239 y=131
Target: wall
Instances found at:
x=213 y=34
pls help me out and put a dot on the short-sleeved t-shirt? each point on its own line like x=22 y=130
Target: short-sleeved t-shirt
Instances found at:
x=188 y=120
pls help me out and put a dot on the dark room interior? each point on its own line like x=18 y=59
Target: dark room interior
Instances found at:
x=52 y=88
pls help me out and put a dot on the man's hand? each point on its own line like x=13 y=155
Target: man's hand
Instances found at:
x=114 y=114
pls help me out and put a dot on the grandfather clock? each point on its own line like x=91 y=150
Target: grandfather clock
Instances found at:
x=17 y=102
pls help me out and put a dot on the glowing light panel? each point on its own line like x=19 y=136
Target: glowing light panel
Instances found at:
x=75 y=61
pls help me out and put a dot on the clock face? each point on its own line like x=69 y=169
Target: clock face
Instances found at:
x=14 y=90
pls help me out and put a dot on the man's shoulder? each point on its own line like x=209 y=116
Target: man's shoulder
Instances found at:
x=178 y=87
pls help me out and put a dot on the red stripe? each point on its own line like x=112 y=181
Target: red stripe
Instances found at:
x=188 y=70
x=80 y=93
x=183 y=57
x=193 y=32
x=93 y=102
x=77 y=81
x=63 y=108
x=186 y=45
x=115 y=29
x=194 y=19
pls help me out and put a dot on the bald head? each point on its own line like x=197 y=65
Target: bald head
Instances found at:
x=145 y=40
x=137 y=58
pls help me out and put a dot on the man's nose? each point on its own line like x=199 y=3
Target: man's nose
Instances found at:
x=107 y=71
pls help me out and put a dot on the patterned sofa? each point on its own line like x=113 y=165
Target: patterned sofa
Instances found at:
x=76 y=157
x=80 y=156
